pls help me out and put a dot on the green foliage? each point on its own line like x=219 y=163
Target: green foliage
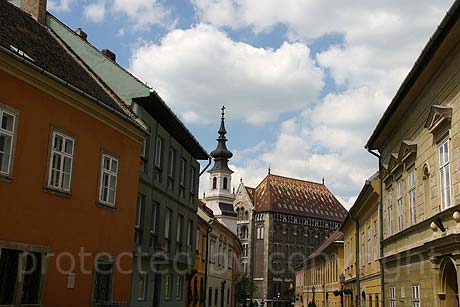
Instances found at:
x=244 y=289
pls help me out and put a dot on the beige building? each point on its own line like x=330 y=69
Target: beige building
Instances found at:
x=362 y=248
x=318 y=279
x=418 y=142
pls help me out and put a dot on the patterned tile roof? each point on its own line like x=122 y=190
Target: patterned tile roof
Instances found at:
x=250 y=192
x=298 y=197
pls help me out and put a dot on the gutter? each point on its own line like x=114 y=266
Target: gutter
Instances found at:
x=50 y=75
x=207 y=166
x=382 y=271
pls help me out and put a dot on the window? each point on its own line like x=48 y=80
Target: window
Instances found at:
x=183 y=164
x=216 y=294
x=103 y=282
x=190 y=235
x=376 y=242
x=154 y=223
x=203 y=248
x=167 y=227
x=363 y=255
x=390 y=212
x=260 y=233
x=32 y=278
x=225 y=184
x=214 y=183
x=376 y=301
x=369 y=244
x=392 y=297
x=400 y=205
x=179 y=229
x=210 y=297
x=245 y=250
x=416 y=296
x=179 y=287
x=158 y=152
x=60 y=167
x=192 y=180
x=171 y=167
x=411 y=187
x=219 y=255
x=168 y=284
x=211 y=252
x=228 y=296
x=444 y=173
x=139 y=219
x=7 y=131
x=142 y=286
x=108 y=182
x=197 y=241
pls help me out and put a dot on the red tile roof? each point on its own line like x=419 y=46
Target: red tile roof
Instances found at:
x=298 y=197
x=250 y=192
x=202 y=205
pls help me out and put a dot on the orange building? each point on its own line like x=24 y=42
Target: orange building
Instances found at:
x=69 y=162
x=196 y=283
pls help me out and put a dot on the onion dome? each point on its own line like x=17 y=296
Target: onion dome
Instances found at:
x=221 y=154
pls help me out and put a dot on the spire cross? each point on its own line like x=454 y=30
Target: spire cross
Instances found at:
x=223 y=111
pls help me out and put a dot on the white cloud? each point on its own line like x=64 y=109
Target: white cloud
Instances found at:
x=95 y=11
x=381 y=40
x=59 y=5
x=202 y=68
x=143 y=14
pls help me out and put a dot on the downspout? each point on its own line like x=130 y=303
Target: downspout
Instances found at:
x=207 y=166
x=382 y=273
x=206 y=261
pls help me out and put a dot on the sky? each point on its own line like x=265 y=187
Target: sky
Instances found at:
x=304 y=82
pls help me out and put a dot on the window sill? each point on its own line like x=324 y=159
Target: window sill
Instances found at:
x=6 y=178
x=54 y=191
x=105 y=205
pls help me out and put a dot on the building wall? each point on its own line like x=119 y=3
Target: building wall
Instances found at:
x=64 y=224
x=196 y=289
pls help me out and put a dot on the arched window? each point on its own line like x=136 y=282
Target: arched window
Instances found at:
x=246 y=215
x=244 y=232
x=225 y=183
x=214 y=183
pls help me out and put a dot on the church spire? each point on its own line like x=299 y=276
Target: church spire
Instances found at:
x=221 y=154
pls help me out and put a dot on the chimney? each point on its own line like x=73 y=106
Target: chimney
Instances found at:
x=82 y=34
x=109 y=54
x=36 y=8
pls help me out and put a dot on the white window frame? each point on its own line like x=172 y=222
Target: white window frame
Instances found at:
x=112 y=174
x=179 y=228
x=390 y=211
x=168 y=284
x=179 y=287
x=392 y=291
x=369 y=244
x=63 y=155
x=376 y=242
x=168 y=215
x=171 y=162
x=230 y=258
x=415 y=295
x=189 y=234
x=144 y=286
x=11 y=134
x=183 y=165
x=211 y=251
x=399 y=192
x=444 y=175
x=411 y=185
x=158 y=159
x=192 y=180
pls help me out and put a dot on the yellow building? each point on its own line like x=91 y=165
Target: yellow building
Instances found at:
x=418 y=141
x=196 y=282
x=318 y=279
x=361 y=237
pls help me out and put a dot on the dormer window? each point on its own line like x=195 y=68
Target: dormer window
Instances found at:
x=214 y=183
x=225 y=185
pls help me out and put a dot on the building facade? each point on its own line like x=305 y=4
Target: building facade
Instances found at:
x=281 y=222
x=166 y=219
x=67 y=194
x=418 y=142
x=223 y=252
x=361 y=230
x=319 y=276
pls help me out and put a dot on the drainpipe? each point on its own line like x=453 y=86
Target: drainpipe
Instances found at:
x=382 y=273
x=207 y=166
x=206 y=260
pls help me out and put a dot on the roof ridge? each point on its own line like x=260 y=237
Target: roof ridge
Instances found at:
x=94 y=47
x=297 y=179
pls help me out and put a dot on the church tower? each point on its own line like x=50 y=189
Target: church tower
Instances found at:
x=220 y=196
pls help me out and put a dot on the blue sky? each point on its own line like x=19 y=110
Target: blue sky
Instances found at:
x=304 y=81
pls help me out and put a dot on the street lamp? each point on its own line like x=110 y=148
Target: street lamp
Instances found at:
x=342 y=282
